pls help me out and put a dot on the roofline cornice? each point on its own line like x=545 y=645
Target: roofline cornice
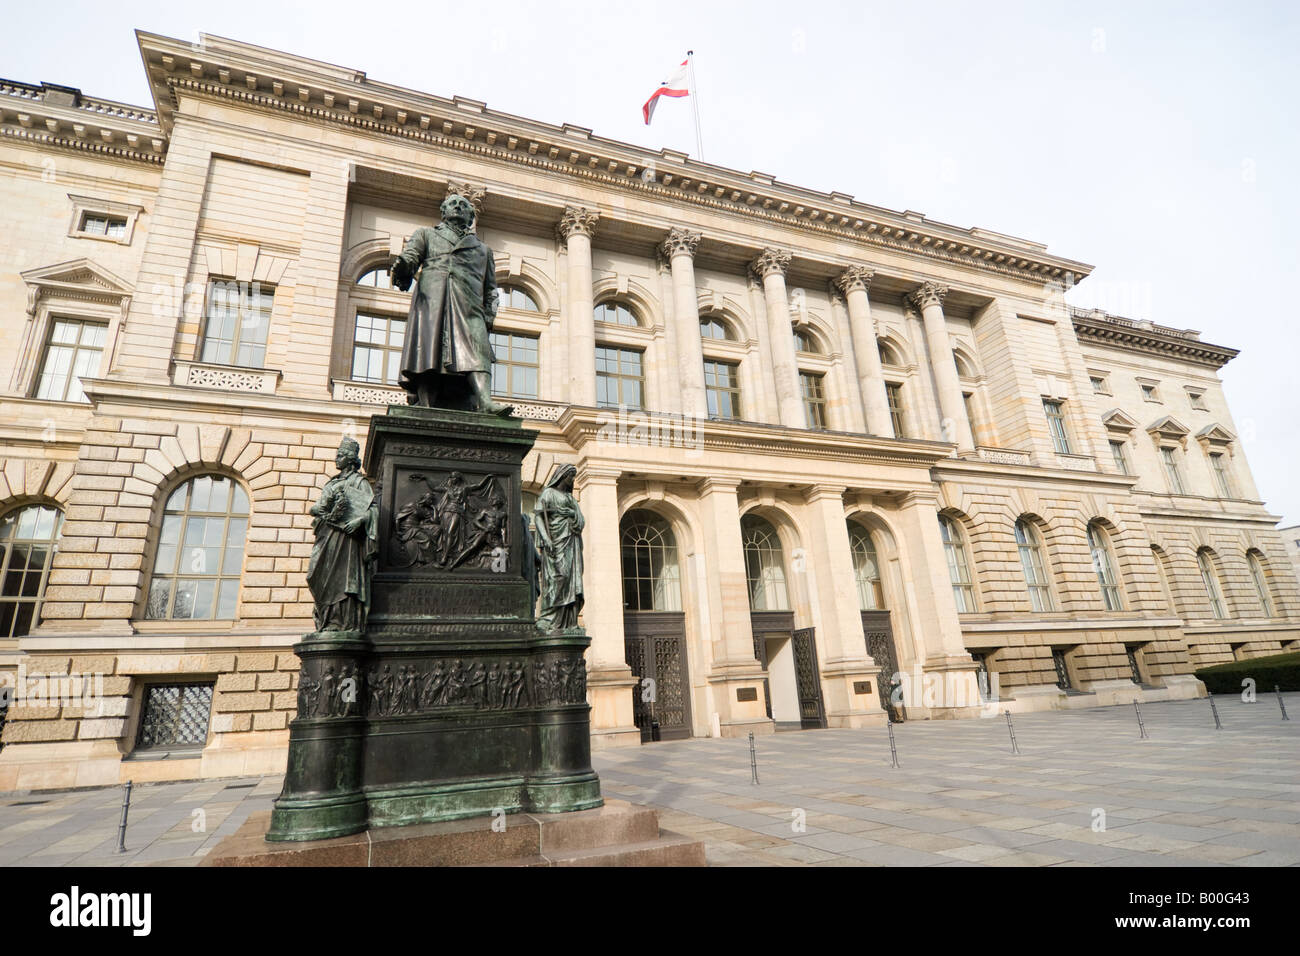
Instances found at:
x=266 y=79
x=1145 y=337
x=63 y=118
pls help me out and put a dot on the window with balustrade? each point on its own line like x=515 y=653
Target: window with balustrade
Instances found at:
x=237 y=323
x=515 y=366
x=620 y=377
x=722 y=389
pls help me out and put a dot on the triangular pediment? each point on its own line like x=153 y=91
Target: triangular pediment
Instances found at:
x=1215 y=434
x=1168 y=427
x=84 y=275
x=1117 y=420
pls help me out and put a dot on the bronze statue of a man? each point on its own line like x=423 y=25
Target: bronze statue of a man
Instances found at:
x=452 y=311
x=342 y=560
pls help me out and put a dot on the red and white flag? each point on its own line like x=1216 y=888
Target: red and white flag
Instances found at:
x=675 y=85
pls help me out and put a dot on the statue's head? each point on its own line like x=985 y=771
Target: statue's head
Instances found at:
x=457 y=209
x=563 y=477
x=349 y=454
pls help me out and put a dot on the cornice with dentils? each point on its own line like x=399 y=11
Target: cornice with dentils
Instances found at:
x=320 y=92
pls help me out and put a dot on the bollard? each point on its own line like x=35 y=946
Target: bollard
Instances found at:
x=1142 y=729
x=753 y=759
x=893 y=751
x=1015 y=749
x=1215 y=711
x=1280 y=702
x=121 y=827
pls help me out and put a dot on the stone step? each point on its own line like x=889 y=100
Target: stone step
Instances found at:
x=667 y=849
x=616 y=834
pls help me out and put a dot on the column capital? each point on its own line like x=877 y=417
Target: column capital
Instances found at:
x=927 y=294
x=577 y=220
x=853 y=278
x=771 y=261
x=475 y=194
x=680 y=242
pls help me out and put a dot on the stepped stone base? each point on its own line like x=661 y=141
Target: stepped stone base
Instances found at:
x=616 y=834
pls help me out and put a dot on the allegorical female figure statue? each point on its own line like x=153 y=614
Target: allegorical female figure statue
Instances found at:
x=558 y=523
x=347 y=542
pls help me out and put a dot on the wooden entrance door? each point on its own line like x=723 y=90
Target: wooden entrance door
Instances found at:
x=654 y=643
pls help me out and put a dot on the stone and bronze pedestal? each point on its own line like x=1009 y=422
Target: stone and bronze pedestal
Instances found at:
x=451 y=703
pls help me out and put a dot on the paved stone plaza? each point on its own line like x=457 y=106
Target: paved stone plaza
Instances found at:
x=1188 y=796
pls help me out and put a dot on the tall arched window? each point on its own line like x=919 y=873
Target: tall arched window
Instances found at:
x=1103 y=563
x=805 y=341
x=375 y=279
x=28 y=536
x=651 y=575
x=1210 y=578
x=866 y=568
x=1260 y=579
x=200 y=551
x=1031 y=561
x=764 y=565
x=715 y=327
x=515 y=297
x=954 y=550
x=616 y=313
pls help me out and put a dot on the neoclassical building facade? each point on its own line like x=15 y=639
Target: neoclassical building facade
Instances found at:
x=838 y=462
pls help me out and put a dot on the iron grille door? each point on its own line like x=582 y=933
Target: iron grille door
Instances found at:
x=655 y=646
x=812 y=713
x=877 y=629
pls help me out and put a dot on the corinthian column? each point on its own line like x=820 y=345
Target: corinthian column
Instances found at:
x=575 y=230
x=679 y=248
x=853 y=283
x=770 y=267
x=928 y=298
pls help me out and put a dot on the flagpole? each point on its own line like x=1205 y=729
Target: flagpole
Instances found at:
x=695 y=98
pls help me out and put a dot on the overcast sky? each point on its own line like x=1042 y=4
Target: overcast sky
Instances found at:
x=1157 y=141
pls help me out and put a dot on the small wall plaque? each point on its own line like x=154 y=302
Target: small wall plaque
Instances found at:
x=746 y=693
x=862 y=687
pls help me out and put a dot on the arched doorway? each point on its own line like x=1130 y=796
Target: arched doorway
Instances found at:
x=654 y=627
x=788 y=654
x=877 y=625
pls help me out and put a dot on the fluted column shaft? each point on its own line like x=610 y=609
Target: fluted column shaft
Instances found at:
x=770 y=267
x=853 y=283
x=679 y=247
x=575 y=230
x=928 y=298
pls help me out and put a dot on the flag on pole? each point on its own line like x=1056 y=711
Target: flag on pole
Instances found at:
x=675 y=85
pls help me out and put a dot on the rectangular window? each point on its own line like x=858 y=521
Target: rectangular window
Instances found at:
x=619 y=378
x=894 y=395
x=515 y=369
x=1056 y=425
x=1149 y=392
x=238 y=320
x=814 y=399
x=1197 y=398
x=1221 y=477
x=377 y=348
x=112 y=227
x=722 y=389
x=174 y=715
x=1120 y=455
x=73 y=353
x=1099 y=384
x=1175 y=475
